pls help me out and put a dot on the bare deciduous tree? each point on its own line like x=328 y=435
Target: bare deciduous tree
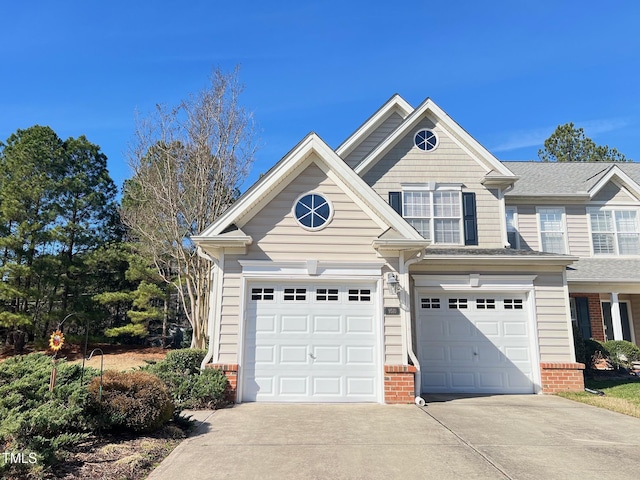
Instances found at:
x=188 y=162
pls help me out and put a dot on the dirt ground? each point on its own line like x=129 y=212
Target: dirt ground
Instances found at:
x=116 y=357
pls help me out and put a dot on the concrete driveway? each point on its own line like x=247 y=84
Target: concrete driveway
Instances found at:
x=496 y=437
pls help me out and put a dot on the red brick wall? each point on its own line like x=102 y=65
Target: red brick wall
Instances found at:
x=562 y=377
x=231 y=372
x=399 y=384
x=595 y=314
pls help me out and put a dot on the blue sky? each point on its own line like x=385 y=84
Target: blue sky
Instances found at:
x=508 y=71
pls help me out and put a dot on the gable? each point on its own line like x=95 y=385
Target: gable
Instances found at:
x=404 y=163
x=277 y=236
x=372 y=140
x=612 y=192
x=428 y=111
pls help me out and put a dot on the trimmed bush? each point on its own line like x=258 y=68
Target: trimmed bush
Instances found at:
x=622 y=353
x=136 y=401
x=190 y=388
x=34 y=420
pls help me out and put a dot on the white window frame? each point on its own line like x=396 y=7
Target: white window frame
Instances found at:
x=516 y=228
x=613 y=210
x=432 y=189
x=563 y=222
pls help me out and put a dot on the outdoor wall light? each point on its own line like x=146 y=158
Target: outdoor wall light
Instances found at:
x=393 y=284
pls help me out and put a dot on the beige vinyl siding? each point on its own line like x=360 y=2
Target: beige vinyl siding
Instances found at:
x=448 y=163
x=578 y=230
x=612 y=193
x=528 y=227
x=229 y=324
x=553 y=325
x=381 y=132
x=393 y=353
x=277 y=236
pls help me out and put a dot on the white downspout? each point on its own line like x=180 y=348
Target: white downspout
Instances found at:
x=503 y=215
x=405 y=313
x=213 y=303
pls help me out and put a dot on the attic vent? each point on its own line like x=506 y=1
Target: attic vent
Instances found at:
x=426 y=140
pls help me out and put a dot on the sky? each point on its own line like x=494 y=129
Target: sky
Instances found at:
x=508 y=71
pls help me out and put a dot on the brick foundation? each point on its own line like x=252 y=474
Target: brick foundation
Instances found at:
x=399 y=384
x=562 y=377
x=231 y=372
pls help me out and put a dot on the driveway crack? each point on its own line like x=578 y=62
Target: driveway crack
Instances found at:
x=486 y=458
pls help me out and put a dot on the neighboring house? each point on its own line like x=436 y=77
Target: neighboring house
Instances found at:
x=382 y=270
x=591 y=211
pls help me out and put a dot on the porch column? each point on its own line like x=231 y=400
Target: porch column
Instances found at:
x=615 y=317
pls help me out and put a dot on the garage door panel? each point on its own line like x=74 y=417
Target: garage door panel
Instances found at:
x=475 y=344
x=294 y=354
x=294 y=324
x=327 y=386
x=327 y=355
x=321 y=348
x=359 y=324
x=326 y=324
x=360 y=386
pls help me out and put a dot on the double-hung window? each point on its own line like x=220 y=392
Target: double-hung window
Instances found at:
x=614 y=232
x=552 y=230
x=435 y=213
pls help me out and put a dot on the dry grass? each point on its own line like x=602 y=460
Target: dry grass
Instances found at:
x=619 y=405
x=621 y=395
x=126 y=360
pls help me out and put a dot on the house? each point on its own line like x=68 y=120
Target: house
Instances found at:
x=591 y=211
x=408 y=261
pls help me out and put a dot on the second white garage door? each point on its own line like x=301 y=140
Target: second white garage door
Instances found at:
x=311 y=343
x=474 y=343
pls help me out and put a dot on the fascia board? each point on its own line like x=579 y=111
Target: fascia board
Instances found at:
x=223 y=241
x=396 y=102
x=615 y=172
x=503 y=259
x=444 y=119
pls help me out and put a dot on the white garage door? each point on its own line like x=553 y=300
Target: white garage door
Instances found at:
x=311 y=343
x=474 y=343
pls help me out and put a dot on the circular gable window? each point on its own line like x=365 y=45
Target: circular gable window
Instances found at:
x=426 y=140
x=312 y=211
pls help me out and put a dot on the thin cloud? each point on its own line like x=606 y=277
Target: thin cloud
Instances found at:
x=536 y=137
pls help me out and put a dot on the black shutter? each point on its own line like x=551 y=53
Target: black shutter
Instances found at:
x=395 y=200
x=582 y=314
x=469 y=218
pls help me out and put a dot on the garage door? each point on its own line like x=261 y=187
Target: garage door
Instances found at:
x=311 y=343
x=474 y=343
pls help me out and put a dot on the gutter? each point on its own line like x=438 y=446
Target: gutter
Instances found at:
x=215 y=299
x=406 y=319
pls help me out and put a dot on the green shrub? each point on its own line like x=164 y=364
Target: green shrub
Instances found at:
x=622 y=353
x=592 y=346
x=35 y=420
x=190 y=388
x=136 y=401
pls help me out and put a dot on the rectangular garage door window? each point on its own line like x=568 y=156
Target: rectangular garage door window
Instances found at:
x=297 y=294
x=359 y=295
x=486 y=303
x=326 y=294
x=262 y=294
x=458 y=303
x=430 y=303
x=512 y=304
